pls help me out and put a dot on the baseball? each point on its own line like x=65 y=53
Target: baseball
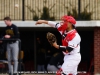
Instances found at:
x=16 y=5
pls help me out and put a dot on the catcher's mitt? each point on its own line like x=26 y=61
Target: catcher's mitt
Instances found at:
x=51 y=38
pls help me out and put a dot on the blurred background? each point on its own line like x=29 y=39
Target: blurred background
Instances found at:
x=34 y=44
x=34 y=9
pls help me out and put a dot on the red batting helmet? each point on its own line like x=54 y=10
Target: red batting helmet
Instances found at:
x=69 y=19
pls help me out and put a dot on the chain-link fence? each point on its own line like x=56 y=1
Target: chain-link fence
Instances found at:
x=49 y=9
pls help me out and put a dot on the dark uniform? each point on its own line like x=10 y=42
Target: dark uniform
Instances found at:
x=12 y=47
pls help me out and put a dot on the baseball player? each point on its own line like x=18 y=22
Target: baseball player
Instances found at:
x=11 y=31
x=70 y=44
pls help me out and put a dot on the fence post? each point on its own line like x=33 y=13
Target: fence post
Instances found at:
x=79 y=6
x=23 y=7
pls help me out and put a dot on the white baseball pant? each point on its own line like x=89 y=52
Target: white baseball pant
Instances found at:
x=71 y=63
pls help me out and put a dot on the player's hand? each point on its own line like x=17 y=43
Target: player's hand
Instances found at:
x=7 y=36
x=39 y=22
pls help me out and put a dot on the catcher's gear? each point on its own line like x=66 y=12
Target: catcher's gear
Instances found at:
x=51 y=38
x=64 y=24
x=68 y=19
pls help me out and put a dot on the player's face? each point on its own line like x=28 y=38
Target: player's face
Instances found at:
x=69 y=25
x=7 y=22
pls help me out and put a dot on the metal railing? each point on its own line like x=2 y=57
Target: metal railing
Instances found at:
x=27 y=9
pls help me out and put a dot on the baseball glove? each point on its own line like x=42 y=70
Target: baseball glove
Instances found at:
x=51 y=38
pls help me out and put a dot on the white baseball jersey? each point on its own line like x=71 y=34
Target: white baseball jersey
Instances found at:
x=71 y=39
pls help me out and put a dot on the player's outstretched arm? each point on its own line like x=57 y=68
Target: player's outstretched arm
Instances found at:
x=50 y=23
x=41 y=21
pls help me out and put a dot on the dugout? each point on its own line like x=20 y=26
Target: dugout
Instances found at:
x=87 y=36
x=29 y=33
